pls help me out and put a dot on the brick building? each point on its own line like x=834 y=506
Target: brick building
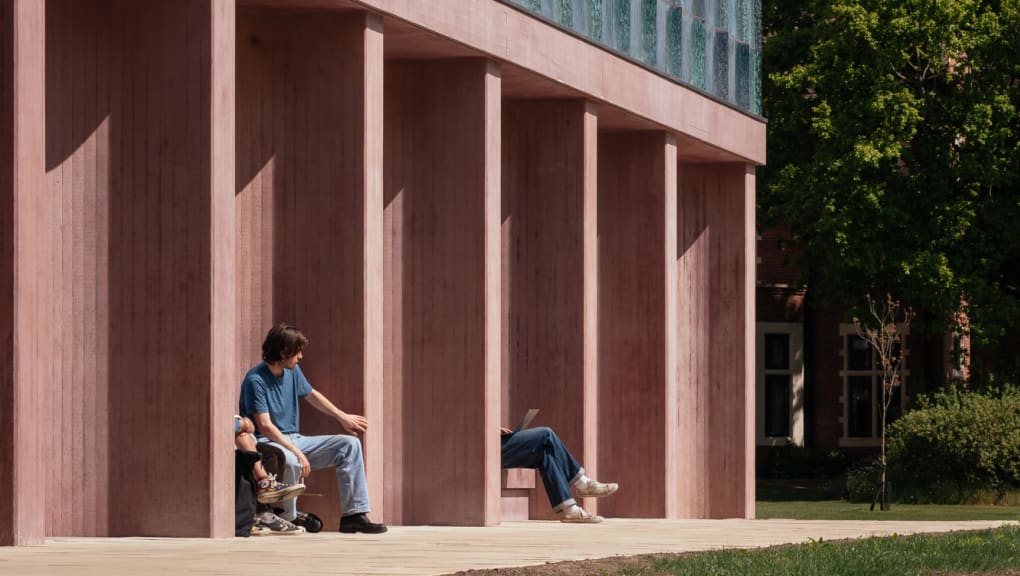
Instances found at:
x=817 y=382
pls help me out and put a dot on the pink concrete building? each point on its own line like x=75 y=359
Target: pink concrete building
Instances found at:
x=471 y=207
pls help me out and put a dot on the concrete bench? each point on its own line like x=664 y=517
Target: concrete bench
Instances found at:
x=517 y=487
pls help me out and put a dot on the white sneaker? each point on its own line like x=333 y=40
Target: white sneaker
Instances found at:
x=575 y=514
x=588 y=488
x=273 y=525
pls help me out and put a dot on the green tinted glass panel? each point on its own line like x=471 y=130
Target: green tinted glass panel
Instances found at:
x=698 y=55
x=721 y=65
x=713 y=45
x=742 y=76
x=649 y=31
x=594 y=19
x=754 y=83
x=621 y=23
x=674 y=42
x=565 y=12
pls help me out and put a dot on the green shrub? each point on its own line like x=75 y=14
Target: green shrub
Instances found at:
x=797 y=462
x=956 y=445
x=862 y=480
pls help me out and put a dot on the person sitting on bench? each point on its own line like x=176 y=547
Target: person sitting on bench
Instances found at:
x=542 y=449
x=269 y=395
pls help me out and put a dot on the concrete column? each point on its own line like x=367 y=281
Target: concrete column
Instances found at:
x=170 y=275
x=78 y=47
x=223 y=395
x=716 y=316
x=24 y=260
x=442 y=289
x=550 y=274
x=637 y=176
x=309 y=208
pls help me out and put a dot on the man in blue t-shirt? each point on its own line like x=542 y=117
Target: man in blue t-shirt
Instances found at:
x=269 y=396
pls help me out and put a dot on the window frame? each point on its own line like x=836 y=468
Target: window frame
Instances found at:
x=875 y=372
x=796 y=372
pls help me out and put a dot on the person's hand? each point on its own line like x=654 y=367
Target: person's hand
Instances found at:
x=354 y=423
x=247 y=425
x=306 y=468
x=504 y=430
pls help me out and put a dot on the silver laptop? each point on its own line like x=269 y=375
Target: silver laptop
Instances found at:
x=526 y=421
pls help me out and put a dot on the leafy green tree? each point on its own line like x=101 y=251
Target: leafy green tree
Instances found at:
x=894 y=151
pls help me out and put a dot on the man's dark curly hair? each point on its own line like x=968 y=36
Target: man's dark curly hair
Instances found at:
x=282 y=342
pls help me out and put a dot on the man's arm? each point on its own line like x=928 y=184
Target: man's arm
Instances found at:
x=352 y=423
x=269 y=430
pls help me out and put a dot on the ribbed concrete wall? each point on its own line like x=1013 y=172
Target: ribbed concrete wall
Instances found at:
x=634 y=191
x=309 y=207
x=715 y=228
x=25 y=257
x=130 y=307
x=548 y=220
x=458 y=246
x=80 y=41
x=165 y=275
x=442 y=184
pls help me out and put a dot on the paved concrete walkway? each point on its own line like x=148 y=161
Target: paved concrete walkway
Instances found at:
x=431 y=550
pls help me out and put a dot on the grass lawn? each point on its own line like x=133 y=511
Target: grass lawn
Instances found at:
x=841 y=510
x=810 y=501
x=979 y=552
x=968 y=553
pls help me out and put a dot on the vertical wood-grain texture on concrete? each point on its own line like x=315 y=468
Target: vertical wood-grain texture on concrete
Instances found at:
x=166 y=280
x=25 y=276
x=309 y=212
x=715 y=282
x=634 y=175
x=442 y=278
x=122 y=262
x=223 y=84
x=78 y=50
x=548 y=186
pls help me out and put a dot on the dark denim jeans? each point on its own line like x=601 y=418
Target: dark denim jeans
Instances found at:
x=541 y=448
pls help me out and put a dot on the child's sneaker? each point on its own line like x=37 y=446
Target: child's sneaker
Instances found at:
x=277 y=526
x=258 y=529
x=270 y=491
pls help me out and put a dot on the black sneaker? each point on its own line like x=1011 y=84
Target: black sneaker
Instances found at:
x=310 y=522
x=360 y=523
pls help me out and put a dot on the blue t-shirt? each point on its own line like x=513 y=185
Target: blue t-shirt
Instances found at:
x=262 y=392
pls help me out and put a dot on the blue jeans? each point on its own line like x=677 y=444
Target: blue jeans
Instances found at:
x=541 y=448
x=339 y=451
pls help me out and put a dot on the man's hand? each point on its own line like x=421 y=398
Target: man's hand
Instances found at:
x=353 y=423
x=306 y=468
x=504 y=430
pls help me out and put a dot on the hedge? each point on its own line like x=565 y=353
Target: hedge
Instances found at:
x=955 y=445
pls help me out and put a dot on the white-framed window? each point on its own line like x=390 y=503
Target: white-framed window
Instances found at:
x=779 y=353
x=862 y=390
